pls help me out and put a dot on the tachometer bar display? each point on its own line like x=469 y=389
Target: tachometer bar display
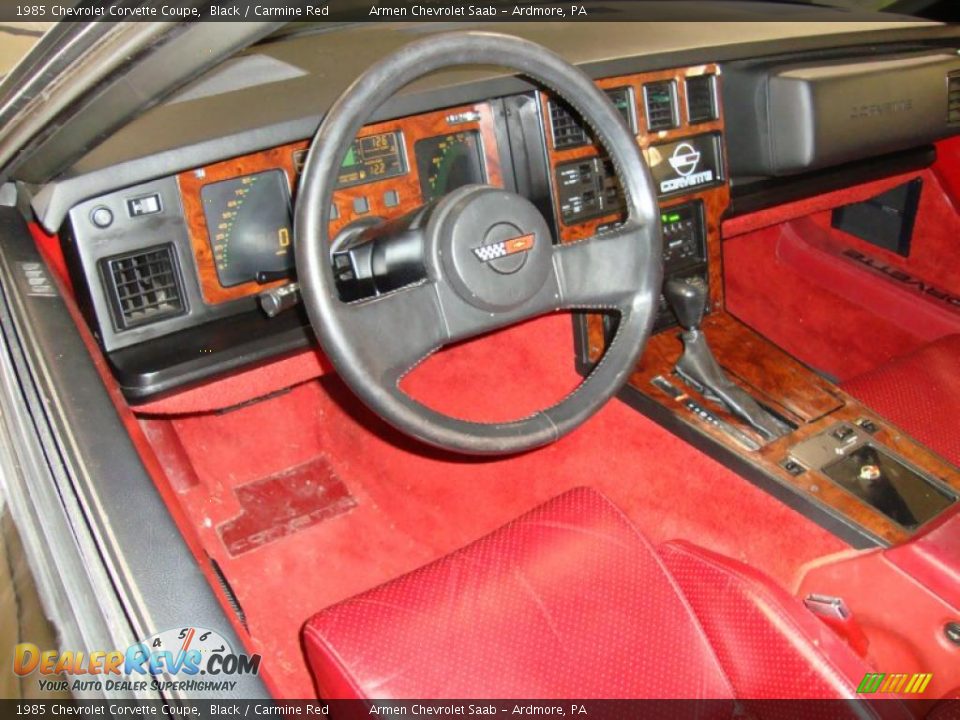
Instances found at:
x=248 y=221
x=375 y=157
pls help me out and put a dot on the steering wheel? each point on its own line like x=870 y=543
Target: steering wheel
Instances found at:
x=475 y=260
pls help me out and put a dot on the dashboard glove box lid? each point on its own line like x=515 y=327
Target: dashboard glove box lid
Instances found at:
x=790 y=118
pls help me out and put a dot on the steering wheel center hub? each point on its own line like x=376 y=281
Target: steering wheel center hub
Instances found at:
x=494 y=247
x=505 y=248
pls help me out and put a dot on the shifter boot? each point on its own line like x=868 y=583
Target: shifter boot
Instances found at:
x=698 y=366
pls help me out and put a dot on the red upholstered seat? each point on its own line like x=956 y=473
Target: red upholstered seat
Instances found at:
x=920 y=393
x=570 y=601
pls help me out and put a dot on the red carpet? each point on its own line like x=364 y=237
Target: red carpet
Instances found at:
x=414 y=504
x=846 y=326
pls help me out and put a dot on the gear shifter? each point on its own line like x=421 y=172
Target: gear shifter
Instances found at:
x=688 y=301
x=699 y=367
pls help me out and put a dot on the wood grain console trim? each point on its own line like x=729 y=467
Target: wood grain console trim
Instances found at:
x=809 y=402
x=715 y=199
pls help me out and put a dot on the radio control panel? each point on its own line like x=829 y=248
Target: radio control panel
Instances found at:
x=684 y=235
x=587 y=189
x=684 y=252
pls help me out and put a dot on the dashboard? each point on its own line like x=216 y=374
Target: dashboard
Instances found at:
x=171 y=272
x=199 y=249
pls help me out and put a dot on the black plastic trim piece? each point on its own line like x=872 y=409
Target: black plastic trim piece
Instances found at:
x=787 y=117
x=528 y=152
x=750 y=196
x=885 y=220
x=154 y=575
x=188 y=357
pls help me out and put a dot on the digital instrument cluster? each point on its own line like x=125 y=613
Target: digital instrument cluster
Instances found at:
x=249 y=218
x=372 y=158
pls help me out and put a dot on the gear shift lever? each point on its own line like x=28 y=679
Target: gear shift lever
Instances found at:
x=689 y=302
x=698 y=366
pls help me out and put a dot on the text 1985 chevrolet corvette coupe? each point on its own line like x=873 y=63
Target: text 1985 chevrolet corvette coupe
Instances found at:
x=274 y=301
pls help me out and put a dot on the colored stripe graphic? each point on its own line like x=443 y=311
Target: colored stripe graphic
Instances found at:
x=918 y=683
x=870 y=683
x=894 y=683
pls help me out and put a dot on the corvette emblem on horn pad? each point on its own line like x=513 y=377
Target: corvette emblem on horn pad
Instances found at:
x=523 y=243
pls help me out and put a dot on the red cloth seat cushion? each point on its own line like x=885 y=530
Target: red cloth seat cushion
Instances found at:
x=571 y=601
x=920 y=393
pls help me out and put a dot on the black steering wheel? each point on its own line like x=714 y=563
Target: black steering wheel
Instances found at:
x=475 y=260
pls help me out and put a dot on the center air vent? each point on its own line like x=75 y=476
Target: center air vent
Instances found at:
x=953 y=98
x=567 y=132
x=143 y=286
x=701 y=105
x=660 y=99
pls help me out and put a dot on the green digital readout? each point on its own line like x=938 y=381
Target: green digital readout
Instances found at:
x=351 y=159
x=375 y=157
x=669 y=218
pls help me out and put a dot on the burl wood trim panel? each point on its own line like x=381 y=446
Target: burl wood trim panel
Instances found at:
x=715 y=199
x=412 y=128
x=808 y=401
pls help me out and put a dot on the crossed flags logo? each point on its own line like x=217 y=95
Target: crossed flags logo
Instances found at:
x=486 y=253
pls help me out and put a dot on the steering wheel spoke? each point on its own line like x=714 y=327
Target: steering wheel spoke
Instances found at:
x=394 y=332
x=602 y=272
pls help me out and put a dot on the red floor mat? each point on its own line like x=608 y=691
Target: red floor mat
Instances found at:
x=414 y=504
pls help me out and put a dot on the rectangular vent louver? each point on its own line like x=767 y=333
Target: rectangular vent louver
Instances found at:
x=567 y=131
x=701 y=105
x=660 y=99
x=953 y=98
x=143 y=286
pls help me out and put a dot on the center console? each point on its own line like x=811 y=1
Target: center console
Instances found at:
x=718 y=384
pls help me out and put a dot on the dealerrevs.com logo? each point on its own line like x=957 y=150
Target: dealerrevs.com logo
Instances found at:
x=185 y=659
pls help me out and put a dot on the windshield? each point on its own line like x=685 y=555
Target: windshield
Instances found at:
x=16 y=39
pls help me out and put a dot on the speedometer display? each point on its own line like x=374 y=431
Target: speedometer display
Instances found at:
x=447 y=162
x=249 y=224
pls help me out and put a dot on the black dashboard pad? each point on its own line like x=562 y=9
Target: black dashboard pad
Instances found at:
x=790 y=118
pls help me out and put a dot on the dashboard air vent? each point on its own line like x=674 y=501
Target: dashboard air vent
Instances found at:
x=660 y=99
x=567 y=131
x=953 y=98
x=701 y=106
x=143 y=286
